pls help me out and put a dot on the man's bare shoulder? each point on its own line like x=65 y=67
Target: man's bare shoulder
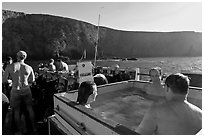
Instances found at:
x=160 y=106
x=193 y=107
x=27 y=66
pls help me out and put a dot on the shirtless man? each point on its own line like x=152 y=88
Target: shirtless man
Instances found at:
x=51 y=66
x=156 y=87
x=22 y=75
x=61 y=66
x=175 y=116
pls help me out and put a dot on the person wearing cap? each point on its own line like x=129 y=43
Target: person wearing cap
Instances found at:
x=22 y=76
x=175 y=116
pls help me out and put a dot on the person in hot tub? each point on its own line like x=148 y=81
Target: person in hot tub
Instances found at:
x=175 y=116
x=87 y=93
x=155 y=90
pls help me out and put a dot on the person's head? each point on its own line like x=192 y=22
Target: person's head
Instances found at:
x=117 y=66
x=155 y=74
x=101 y=70
x=108 y=71
x=59 y=60
x=87 y=92
x=9 y=60
x=51 y=61
x=177 y=84
x=21 y=55
x=100 y=79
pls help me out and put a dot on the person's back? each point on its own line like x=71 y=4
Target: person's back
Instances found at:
x=65 y=66
x=61 y=66
x=51 y=67
x=20 y=73
x=175 y=116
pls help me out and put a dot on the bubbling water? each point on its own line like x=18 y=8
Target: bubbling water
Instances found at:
x=125 y=107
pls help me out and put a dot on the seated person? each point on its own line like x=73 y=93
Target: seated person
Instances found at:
x=51 y=66
x=117 y=76
x=109 y=76
x=175 y=116
x=115 y=67
x=87 y=93
x=125 y=76
x=155 y=88
x=98 y=70
x=100 y=79
x=116 y=73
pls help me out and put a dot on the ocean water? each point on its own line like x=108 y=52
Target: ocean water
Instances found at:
x=168 y=64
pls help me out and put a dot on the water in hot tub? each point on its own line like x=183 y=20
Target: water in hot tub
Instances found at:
x=126 y=107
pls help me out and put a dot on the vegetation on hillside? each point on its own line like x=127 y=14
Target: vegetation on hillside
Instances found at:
x=42 y=36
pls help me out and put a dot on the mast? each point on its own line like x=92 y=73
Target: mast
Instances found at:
x=97 y=42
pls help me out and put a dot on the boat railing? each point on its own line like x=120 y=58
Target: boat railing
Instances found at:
x=69 y=81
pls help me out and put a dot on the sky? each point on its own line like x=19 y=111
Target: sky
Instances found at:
x=128 y=16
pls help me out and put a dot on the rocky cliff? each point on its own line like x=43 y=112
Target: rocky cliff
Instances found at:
x=44 y=35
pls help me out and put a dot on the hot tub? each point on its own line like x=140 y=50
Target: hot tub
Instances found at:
x=126 y=106
x=119 y=108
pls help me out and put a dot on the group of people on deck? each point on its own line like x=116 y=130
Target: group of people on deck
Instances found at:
x=58 y=65
x=170 y=113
